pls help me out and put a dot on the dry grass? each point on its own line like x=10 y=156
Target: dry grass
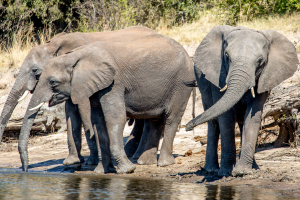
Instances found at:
x=21 y=43
x=193 y=33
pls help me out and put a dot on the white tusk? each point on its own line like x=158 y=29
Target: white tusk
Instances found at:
x=24 y=95
x=224 y=88
x=252 y=92
x=37 y=107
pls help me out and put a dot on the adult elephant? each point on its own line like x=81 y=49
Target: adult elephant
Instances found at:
x=32 y=68
x=144 y=79
x=247 y=64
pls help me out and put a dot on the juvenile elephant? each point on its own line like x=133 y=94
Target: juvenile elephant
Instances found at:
x=32 y=68
x=247 y=64
x=143 y=79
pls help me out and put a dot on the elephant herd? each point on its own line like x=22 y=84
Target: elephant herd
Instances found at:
x=105 y=77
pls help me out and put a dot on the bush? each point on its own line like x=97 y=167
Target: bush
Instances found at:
x=233 y=11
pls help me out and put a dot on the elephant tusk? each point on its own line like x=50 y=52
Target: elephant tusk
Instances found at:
x=37 y=107
x=224 y=88
x=24 y=95
x=252 y=92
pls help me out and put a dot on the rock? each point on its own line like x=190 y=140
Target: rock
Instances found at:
x=188 y=153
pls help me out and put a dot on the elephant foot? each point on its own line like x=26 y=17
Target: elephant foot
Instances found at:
x=101 y=170
x=239 y=170
x=225 y=172
x=165 y=160
x=71 y=160
x=208 y=171
x=92 y=160
x=149 y=157
x=127 y=168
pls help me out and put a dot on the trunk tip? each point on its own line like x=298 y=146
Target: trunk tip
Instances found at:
x=189 y=126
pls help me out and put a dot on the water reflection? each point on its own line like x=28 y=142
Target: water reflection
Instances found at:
x=68 y=186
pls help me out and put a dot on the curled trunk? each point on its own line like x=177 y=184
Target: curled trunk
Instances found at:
x=236 y=89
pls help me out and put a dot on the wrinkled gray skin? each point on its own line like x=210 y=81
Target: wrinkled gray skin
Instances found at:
x=145 y=79
x=241 y=58
x=32 y=68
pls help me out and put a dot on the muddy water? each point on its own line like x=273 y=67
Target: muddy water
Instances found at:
x=17 y=185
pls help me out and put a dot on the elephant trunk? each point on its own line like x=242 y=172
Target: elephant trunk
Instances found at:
x=237 y=86
x=26 y=127
x=18 y=89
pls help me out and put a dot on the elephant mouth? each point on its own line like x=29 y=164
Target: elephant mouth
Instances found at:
x=57 y=98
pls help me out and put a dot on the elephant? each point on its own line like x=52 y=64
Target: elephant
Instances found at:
x=142 y=79
x=32 y=68
x=246 y=64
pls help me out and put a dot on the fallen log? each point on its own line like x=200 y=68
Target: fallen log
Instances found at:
x=283 y=106
x=47 y=120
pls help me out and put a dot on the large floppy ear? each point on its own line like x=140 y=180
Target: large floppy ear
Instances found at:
x=93 y=72
x=282 y=61
x=208 y=56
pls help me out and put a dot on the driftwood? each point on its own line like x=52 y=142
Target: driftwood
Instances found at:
x=283 y=105
x=48 y=120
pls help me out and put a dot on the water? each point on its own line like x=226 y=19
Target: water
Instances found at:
x=17 y=185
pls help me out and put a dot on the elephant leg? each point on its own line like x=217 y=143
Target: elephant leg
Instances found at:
x=134 y=139
x=105 y=164
x=254 y=165
x=85 y=114
x=74 y=124
x=251 y=127
x=152 y=137
x=228 y=149
x=143 y=140
x=211 y=159
x=173 y=118
x=113 y=107
x=210 y=95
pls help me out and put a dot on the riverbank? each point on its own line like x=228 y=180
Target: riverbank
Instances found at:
x=279 y=167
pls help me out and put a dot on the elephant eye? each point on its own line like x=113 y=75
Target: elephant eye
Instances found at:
x=53 y=82
x=35 y=70
x=259 y=60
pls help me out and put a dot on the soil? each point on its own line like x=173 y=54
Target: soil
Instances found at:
x=279 y=167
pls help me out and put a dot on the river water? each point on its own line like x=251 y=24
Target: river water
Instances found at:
x=19 y=185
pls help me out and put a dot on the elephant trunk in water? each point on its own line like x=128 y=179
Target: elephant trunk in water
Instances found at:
x=237 y=86
x=26 y=127
x=18 y=89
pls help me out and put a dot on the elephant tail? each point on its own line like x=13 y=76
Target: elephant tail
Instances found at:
x=194 y=102
x=192 y=84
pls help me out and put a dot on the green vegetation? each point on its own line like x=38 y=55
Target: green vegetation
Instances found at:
x=98 y=15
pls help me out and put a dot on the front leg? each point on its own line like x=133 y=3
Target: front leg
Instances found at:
x=251 y=128
x=74 y=124
x=113 y=107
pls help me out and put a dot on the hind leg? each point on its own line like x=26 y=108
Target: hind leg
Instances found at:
x=152 y=137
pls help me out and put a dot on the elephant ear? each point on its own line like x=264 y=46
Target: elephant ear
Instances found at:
x=90 y=75
x=282 y=61
x=208 y=56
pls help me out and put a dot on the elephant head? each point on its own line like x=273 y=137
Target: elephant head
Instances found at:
x=240 y=60
x=76 y=75
x=31 y=69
